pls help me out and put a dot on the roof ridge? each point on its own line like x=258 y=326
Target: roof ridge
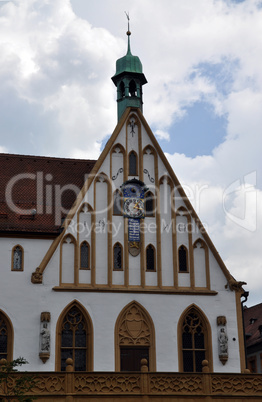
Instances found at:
x=7 y=155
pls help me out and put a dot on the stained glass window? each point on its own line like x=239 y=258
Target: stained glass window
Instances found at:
x=17 y=259
x=74 y=340
x=193 y=342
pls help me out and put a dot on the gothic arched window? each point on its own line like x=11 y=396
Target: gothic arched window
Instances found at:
x=84 y=255
x=6 y=338
x=17 y=258
x=182 y=259
x=132 y=164
x=193 y=341
x=150 y=258
x=118 y=256
x=75 y=339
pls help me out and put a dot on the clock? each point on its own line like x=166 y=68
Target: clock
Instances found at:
x=134 y=207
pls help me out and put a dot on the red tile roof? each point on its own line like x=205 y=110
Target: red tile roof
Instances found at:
x=252 y=322
x=32 y=187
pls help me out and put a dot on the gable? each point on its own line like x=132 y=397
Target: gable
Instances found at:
x=171 y=236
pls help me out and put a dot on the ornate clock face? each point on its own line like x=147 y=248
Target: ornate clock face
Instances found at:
x=134 y=207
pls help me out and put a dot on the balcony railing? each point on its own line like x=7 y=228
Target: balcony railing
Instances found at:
x=74 y=386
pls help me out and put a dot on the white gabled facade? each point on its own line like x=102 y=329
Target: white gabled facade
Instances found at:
x=133 y=273
x=162 y=294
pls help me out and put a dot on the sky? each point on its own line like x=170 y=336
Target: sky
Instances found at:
x=203 y=101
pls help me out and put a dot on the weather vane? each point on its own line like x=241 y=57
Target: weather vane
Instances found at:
x=128 y=18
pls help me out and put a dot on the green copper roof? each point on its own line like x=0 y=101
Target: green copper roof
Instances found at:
x=128 y=63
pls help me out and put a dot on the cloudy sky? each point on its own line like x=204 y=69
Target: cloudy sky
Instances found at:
x=203 y=100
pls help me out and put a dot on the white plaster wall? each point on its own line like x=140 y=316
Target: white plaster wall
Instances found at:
x=199 y=266
x=68 y=261
x=104 y=309
x=23 y=302
x=117 y=163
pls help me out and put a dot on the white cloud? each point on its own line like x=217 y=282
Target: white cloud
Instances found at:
x=162 y=135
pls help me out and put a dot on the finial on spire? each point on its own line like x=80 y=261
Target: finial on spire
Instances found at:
x=128 y=18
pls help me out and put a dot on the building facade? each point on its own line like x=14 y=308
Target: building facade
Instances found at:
x=106 y=262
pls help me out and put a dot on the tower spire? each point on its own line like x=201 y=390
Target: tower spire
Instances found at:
x=129 y=79
x=128 y=33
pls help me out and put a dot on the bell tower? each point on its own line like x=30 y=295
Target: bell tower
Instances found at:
x=129 y=79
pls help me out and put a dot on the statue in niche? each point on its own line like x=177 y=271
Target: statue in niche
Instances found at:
x=45 y=338
x=223 y=342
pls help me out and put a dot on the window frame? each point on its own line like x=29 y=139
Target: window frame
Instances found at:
x=121 y=249
x=89 y=334
x=22 y=258
x=154 y=254
x=122 y=341
x=10 y=336
x=187 y=267
x=136 y=163
x=207 y=337
x=88 y=257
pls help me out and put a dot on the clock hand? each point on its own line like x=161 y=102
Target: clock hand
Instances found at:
x=136 y=206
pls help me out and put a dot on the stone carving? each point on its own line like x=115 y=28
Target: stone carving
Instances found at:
x=222 y=339
x=235 y=285
x=44 y=352
x=45 y=338
x=134 y=248
x=176 y=383
x=238 y=384
x=103 y=384
x=37 y=276
x=134 y=328
x=221 y=320
x=84 y=386
x=45 y=316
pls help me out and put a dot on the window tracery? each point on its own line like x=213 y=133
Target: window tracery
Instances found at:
x=74 y=339
x=134 y=338
x=194 y=340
